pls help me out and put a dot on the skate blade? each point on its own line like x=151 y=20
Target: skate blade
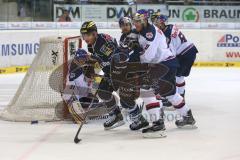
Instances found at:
x=188 y=127
x=157 y=134
x=115 y=125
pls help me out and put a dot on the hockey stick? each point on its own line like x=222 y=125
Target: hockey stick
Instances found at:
x=76 y=139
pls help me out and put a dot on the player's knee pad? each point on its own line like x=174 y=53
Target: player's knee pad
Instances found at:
x=176 y=100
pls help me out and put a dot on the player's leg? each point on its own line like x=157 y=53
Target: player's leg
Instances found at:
x=153 y=106
x=180 y=84
x=186 y=62
x=155 y=111
x=115 y=117
x=134 y=110
x=176 y=99
x=74 y=90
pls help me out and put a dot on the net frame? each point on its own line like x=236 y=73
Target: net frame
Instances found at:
x=44 y=111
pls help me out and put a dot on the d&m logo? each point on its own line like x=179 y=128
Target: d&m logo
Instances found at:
x=229 y=40
x=114 y=12
x=190 y=15
x=74 y=11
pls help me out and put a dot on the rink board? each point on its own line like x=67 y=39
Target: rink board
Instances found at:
x=23 y=69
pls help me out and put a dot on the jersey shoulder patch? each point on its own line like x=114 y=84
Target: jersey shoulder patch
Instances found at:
x=149 y=33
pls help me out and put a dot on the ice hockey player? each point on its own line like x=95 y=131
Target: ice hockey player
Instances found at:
x=102 y=47
x=78 y=86
x=184 y=50
x=156 y=50
x=129 y=92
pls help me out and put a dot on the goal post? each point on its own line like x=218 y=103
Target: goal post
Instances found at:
x=35 y=98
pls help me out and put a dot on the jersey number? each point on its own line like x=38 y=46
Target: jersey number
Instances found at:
x=182 y=37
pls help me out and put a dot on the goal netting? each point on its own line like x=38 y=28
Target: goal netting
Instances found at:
x=39 y=95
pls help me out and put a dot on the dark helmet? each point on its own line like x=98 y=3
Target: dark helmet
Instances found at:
x=157 y=17
x=81 y=54
x=124 y=20
x=88 y=27
x=162 y=18
x=154 y=16
x=141 y=15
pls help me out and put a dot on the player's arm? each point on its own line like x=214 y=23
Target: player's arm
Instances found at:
x=156 y=44
x=178 y=37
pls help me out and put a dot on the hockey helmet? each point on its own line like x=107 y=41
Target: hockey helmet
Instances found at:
x=88 y=27
x=124 y=20
x=141 y=15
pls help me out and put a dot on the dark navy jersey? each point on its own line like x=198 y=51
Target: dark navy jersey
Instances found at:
x=134 y=55
x=168 y=32
x=103 y=49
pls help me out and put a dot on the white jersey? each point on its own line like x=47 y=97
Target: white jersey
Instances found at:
x=154 y=45
x=76 y=84
x=177 y=41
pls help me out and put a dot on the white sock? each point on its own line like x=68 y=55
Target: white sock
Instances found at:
x=183 y=111
x=180 y=84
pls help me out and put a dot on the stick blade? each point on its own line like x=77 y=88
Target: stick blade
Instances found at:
x=76 y=140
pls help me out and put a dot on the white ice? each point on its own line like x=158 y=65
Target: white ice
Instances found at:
x=212 y=93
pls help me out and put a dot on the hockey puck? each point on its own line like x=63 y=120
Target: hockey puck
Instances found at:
x=34 y=122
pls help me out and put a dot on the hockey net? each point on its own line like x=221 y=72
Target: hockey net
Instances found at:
x=35 y=98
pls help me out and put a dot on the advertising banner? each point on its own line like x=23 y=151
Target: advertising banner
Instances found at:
x=227 y=45
x=204 y=13
x=103 y=13
x=18 y=47
x=176 y=13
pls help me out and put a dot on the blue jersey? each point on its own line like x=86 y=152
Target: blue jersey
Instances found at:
x=103 y=50
x=134 y=55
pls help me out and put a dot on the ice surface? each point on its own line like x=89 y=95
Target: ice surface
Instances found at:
x=212 y=93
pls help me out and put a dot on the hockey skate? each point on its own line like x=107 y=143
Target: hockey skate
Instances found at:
x=187 y=122
x=139 y=124
x=157 y=130
x=114 y=120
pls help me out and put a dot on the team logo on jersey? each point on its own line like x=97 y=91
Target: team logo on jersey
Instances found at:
x=149 y=35
x=107 y=49
x=229 y=40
